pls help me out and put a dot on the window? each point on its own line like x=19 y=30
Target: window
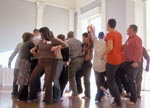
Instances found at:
x=4 y=57
x=96 y=21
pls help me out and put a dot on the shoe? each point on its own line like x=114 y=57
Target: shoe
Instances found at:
x=104 y=90
x=127 y=96
x=116 y=104
x=131 y=103
x=67 y=91
x=57 y=101
x=32 y=100
x=21 y=99
x=85 y=97
x=47 y=102
x=14 y=94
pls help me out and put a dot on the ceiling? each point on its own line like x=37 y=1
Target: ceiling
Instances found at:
x=70 y=4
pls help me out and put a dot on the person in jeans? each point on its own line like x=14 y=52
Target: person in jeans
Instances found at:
x=47 y=62
x=85 y=71
x=76 y=60
x=114 y=59
x=59 y=68
x=99 y=65
x=140 y=72
x=133 y=56
x=14 y=53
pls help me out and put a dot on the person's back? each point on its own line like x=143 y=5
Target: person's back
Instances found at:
x=115 y=56
x=75 y=47
x=99 y=47
x=25 y=50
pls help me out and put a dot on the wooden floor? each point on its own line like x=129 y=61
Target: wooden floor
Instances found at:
x=6 y=101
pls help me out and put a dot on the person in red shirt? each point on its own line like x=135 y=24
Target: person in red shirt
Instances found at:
x=114 y=59
x=133 y=51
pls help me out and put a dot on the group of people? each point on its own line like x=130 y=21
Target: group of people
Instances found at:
x=118 y=67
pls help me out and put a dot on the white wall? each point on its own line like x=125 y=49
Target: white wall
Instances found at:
x=57 y=19
x=117 y=9
x=19 y=16
x=16 y=17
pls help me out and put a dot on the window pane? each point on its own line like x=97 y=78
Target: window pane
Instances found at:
x=4 y=57
x=97 y=23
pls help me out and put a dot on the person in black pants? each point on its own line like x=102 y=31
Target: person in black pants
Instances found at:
x=64 y=74
x=122 y=80
x=133 y=52
x=85 y=70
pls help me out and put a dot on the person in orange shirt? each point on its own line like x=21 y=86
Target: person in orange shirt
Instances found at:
x=114 y=59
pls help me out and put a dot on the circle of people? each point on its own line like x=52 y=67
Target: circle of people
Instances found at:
x=117 y=67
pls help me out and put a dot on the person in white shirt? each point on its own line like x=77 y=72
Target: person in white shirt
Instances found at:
x=99 y=65
x=36 y=39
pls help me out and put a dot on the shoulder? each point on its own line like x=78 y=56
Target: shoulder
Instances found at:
x=109 y=35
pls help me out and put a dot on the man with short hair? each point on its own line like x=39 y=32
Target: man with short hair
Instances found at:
x=114 y=59
x=76 y=60
x=133 y=55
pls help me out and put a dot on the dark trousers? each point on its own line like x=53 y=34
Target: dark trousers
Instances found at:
x=139 y=79
x=23 y=92
x=15 y=85
x=131 y=75
x=63 y=80
x=34 y=62
x=111 y=71
x=84 y=72
x=49 y=66
x=100 y=81
x=121 y=79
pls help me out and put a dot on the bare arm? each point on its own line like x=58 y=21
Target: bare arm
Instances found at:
x=108 y=48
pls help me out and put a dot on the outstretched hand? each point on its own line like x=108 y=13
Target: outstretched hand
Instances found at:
x=91 y=29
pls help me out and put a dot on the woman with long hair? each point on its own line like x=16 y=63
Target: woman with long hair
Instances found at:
x=25 y=66
x=47 y=61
